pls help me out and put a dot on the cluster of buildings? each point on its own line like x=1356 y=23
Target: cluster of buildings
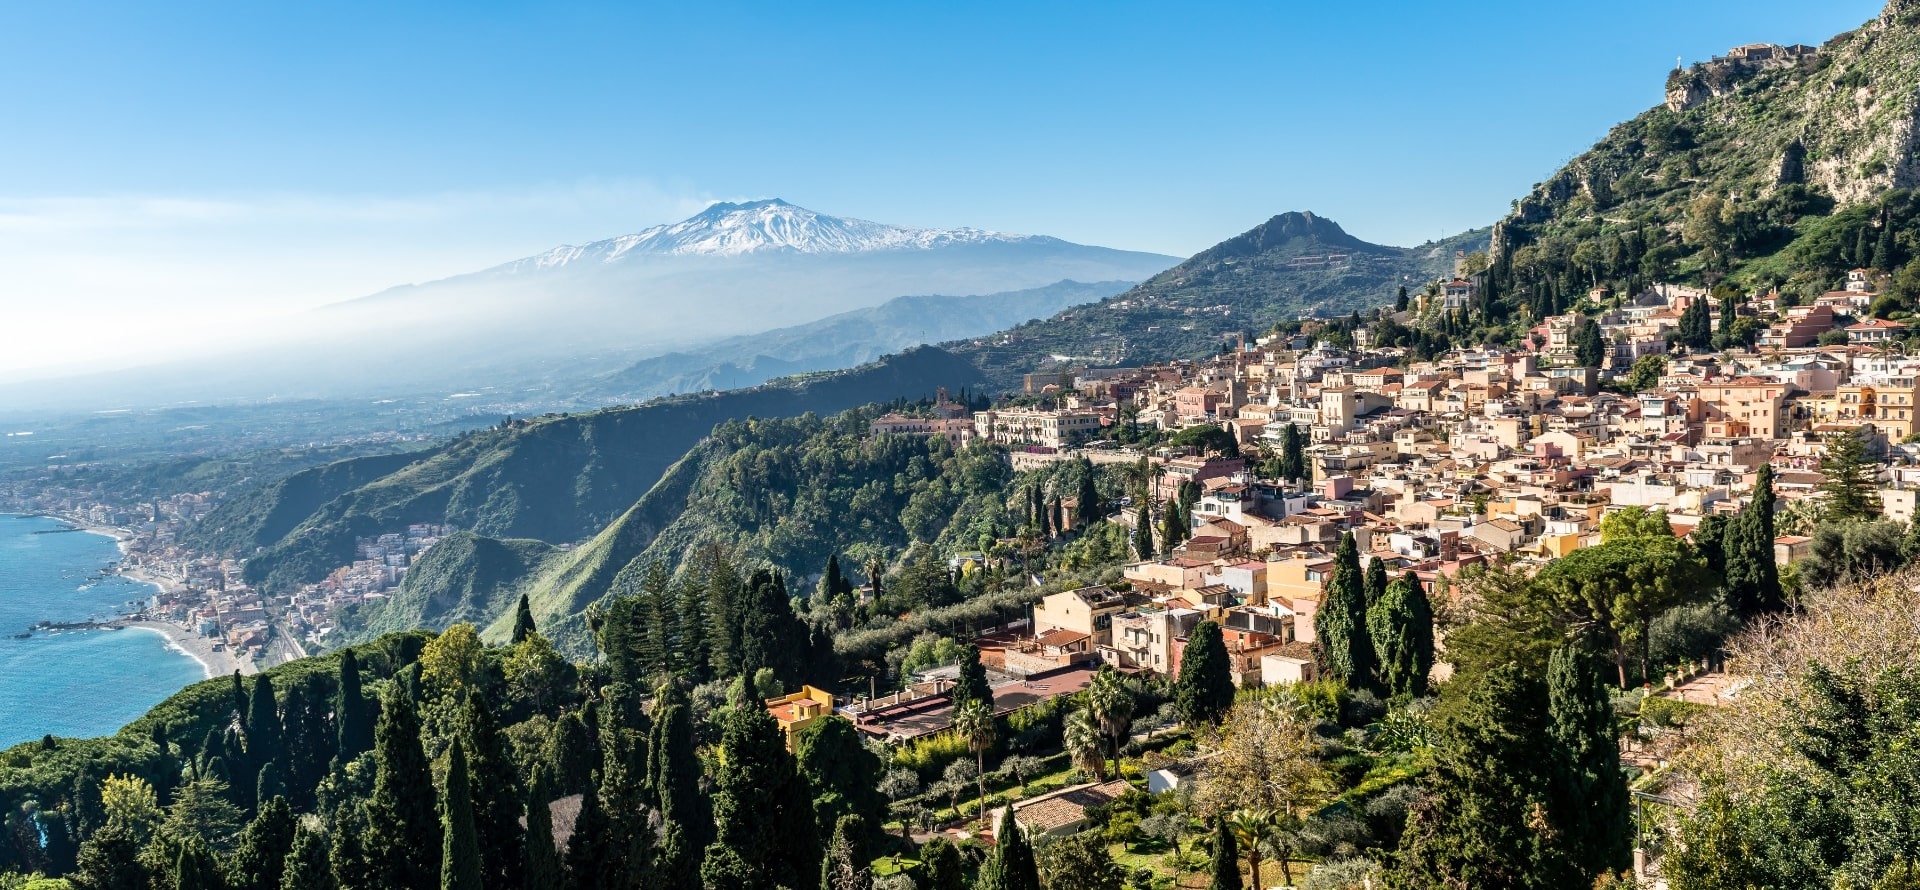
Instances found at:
x=380 y=564
x=1480 y=455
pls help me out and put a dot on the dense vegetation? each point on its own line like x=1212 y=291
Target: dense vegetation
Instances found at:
x=1276 y=271
x=557 y=478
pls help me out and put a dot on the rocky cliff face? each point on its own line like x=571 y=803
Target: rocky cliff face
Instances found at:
x=1839 y=119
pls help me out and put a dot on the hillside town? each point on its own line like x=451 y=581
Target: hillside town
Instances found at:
x=1479 y=456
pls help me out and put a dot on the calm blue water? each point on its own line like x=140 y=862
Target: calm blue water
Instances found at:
x=74 y=683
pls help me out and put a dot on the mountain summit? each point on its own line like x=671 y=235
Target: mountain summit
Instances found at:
x=768 y=226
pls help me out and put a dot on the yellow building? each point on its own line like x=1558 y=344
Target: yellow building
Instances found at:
x=799 y=710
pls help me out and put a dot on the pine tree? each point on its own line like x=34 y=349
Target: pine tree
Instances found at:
x=460 y=842
x=1592 y=808
x=1340 y=626
x=1847 y=480
x=541 y=855
x=760 y=801
x=1011 y=866
x=403 y=831
x=307 y=867
x=1204 y=690
x=496 y=794
x=261 y=858
x=1401 y=627
x=1226 y=858
x=1143 y=532
x=971 y=684
x=350 y=711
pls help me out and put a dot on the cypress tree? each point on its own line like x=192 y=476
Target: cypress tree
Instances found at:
x=629 y=838
x=1204 y=690
x=350 y=710
x=523 y=626
x=1172 y=530
x=238 y=692
x=759 y=803
x=771 y=635
x=261 y=858
x=1753 y=580
x=495 y=792
x=1087 y=502
x=1592 y=808
x=1293 y=454
x=1479 y=823
x=844 y=776
x=1226 y=858
x=542 y=856
x=196 y=868
x=1011 y=866
x=971 y=684
x=460 y=842
x=1401 y=627
x=308 y=867
x=1376 y=581
x=944 y=868
x=676 y=779
x=678 y=864
x=264 y=741
x=403 y=831
x=1143 y=532
x=570 y=752
x=845 y=867
x=1340 y=627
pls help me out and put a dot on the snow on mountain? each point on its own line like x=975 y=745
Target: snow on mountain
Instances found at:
x=769 y=226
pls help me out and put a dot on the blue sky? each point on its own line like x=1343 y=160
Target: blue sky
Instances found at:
x=187 y=168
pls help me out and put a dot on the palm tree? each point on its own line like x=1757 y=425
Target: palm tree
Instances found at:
x=1082 y=741
x=1251 y=828
x=1112 y=706
x=974 y=722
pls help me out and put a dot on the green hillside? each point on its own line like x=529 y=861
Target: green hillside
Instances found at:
x=464 y=578
x=1291 y=265
x=1781 y=173
x=261 y=516
x=562 y=478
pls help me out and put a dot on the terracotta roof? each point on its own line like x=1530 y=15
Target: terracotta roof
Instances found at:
x=1060 y=636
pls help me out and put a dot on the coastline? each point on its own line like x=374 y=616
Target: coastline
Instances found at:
x=178 y=638
x=194 y=646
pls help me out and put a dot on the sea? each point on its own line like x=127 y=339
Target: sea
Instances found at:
x=75 y=683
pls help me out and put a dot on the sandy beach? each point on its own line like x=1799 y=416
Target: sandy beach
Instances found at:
x=196 y=647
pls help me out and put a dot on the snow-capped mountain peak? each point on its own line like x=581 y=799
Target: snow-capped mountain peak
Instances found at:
x=767 y=226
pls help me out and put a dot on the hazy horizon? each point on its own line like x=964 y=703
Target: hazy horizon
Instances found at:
x=197 y=176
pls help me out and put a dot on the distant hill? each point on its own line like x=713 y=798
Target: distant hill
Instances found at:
x=558 y=478
x=842 y=341
x=544 y=326
x=1771 y=166
x=1291 y=265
